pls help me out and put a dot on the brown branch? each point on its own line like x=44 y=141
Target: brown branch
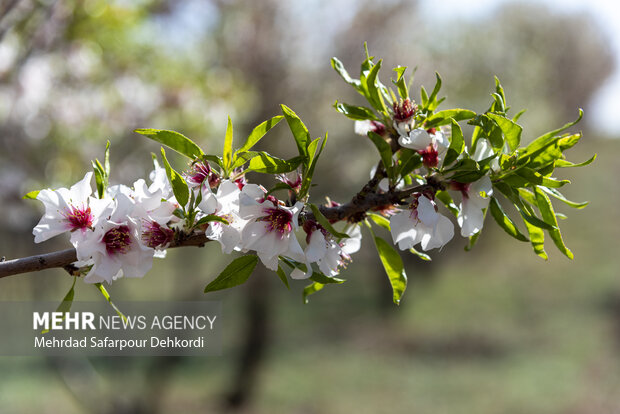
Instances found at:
x=65 y=258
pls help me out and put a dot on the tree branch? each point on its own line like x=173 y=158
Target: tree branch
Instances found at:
x=354 y=211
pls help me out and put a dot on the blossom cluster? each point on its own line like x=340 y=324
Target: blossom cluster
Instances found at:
x=120 y=233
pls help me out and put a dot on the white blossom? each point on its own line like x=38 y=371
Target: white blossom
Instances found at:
x=421 y=223
x=270 y=230
x=476 y=197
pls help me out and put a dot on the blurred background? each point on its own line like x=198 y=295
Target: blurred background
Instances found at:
x=495 y=330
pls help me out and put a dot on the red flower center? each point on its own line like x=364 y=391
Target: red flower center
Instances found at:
x=117 y=240
x=430 y=156
x=154 y=235
x=79 y=217
x=278 y=220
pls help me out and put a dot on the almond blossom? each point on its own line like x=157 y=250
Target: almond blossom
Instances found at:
x=476 y=197
x=72 y=210
x=421 y=223
x=326 y=252
x=114 y=248
x=271 y=226
x=228 y=235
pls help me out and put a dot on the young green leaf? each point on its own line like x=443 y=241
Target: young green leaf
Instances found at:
x=107 y=297
x=445 y=117
x=173 y=140
x=325 y=223
x=447 y=201
x=421 y=255
x=380 y=220
x=259 y=132
x=299 y=130
x=179 y=186
x=358 y=113
x=65 y=305
x=504 y=221
x=512 y=131
x=394 y=268
x=282 y=276
x=385 y=151
x=374 y=97
x=568 y=164
x=266 y=163
x=339 y=67
x=228 y=145
x=310 y=290
x=325 y=280
x=236 y=273
x=457 y=144
x=546 y=210
x=400 y=82
x=545 y=139
x=555 y=193
x=32 y=195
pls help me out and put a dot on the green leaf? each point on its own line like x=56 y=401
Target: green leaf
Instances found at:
x=504 y=221
x=242 y=157
x=280 y=186
x=421 y=255
x=228 y=145
x=311 y=289
x=325 y=280
x=358 y=113
x=447 y=201
x=424 y=97
x=282 y=276
x=299 y=130
x=32 y=195
x=259 y=132
x=526 y=212
x=380 y=220
x=266 y=163
x=555 y=193
x=65 y=305
x=568 y=164
x=385 y=151
x=325 y=223
x=444 y=117
x=173 y=140
x=314 y=151
x=409 y=161
x=535 y=178
x=545 y=139
x=107 y=297
x=546 y=210
x=400 y=82
x=99 y=178
x=457 y=144
x=179 y=186
x=432 y=99
x=537 y=239
x=511 y=130
x=209 y=218
x=339 y=67
x=374 y=97
x=394 y=268
x=236 y=273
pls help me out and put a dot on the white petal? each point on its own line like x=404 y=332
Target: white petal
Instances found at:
x=426 y=211
x=317 y=247
x=418 y=139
